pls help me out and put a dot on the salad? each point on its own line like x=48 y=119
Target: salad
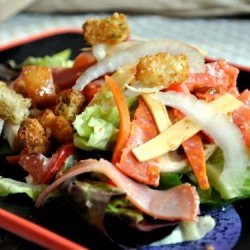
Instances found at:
x=137 y=134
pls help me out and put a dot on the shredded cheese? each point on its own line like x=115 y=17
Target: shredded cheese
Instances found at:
x=171 y=138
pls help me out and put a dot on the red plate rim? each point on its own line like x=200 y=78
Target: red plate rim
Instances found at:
x=39 y=36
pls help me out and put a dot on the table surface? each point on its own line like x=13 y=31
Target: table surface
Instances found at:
x=227 y=38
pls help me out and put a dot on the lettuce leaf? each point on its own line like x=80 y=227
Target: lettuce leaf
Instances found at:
x=214 y=168
x=10 y=186
x=61 y=59
x=97 y=126
x=122 y=207
x=90 y=199
x=169 y=180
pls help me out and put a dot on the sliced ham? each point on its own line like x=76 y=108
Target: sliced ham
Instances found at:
x=178 y=203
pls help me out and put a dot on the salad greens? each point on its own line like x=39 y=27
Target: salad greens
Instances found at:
x=60 y=59
x=9 y=186
x=95 y=199
x=97 y=126
x=214 y=168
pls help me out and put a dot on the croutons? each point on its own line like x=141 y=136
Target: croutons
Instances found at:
x=33 y=136
x=70 y=103
x=13 y=107
x=162 y=69
x=59 y=128
x=110 y=30
x=36 y=82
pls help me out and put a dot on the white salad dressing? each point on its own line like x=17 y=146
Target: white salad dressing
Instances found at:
x=189 y=231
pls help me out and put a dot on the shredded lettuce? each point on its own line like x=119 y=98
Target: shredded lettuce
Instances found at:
x=61 y=59
x=97 y=126
x=10 y=186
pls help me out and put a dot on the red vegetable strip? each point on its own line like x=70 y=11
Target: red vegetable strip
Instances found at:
x=178 y=203
x=195 y=153
x=57 y=160
x=45 y=168
x=123 y=110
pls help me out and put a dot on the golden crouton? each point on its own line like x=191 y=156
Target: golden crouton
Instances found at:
x=70 y=104
x=110 y=30
x=162 y=69
x=59 y=128
x=33 y=136
x=36 y=82
x=13 y=107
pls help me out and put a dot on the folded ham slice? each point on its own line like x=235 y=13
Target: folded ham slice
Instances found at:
x=178 y=203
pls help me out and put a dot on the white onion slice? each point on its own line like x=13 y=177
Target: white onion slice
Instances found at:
x=225 y=133
x=137 y=89
x=101 y=50
x=131 y=54
x=171 y=162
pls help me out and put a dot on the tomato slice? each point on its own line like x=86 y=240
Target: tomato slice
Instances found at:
x=43 y=169
x=143 y=129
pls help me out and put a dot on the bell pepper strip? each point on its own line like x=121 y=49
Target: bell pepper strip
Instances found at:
x=43 y=169
x=124 y=121
x=178 y=203
x=13 y=159
x=57 y=160
x=143 y=128
x=194 y=150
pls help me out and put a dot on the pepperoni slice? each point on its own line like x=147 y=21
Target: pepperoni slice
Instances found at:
x=143 y=129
